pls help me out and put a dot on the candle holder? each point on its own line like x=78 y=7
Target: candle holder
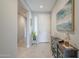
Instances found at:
x=67 y=43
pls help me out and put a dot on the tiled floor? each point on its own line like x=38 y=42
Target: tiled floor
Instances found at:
x=21 y=43
x=41 y=50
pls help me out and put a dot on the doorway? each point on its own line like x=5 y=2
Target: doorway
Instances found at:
x=21 y=30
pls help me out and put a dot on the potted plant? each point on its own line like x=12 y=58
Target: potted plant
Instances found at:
x=34 y=35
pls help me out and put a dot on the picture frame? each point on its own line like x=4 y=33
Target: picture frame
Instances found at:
x=65 y=18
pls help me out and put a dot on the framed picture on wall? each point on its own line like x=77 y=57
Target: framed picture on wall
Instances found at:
x=65 y=17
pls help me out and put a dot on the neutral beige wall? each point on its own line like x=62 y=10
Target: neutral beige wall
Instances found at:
x=8 y=28
x=44 y=27
x=75 y=36
x=43 y=20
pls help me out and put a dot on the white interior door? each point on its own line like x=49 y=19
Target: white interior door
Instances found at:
x=44 y=28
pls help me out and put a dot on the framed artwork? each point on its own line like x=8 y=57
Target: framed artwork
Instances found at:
x=65 y=18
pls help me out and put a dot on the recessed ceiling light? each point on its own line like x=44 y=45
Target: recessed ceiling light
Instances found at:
x=41 y=6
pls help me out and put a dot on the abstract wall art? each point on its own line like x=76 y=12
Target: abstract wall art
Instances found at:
x=65 y=17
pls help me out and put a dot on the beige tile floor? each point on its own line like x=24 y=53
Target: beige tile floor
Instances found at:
x=21 y=43
x=41 y=50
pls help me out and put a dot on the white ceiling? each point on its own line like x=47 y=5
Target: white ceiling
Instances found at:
x=35 y=5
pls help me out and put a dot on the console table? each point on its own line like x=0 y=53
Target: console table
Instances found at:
x=61 y=50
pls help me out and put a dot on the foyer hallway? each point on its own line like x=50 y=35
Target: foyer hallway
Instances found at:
x=41 y=50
